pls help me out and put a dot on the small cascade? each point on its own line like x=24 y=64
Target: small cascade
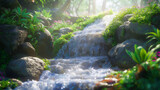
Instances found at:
x=79 y=64
x=88 y=42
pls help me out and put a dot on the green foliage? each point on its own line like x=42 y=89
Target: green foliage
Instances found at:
x=44 y=13
x=4 y=58
x=141 y=80
x=79 y=25
x=58 y=43
x=154 y=36
x=140 y=55
x=23 y=19
x=8 y=83
x=144 y=15
x=47 y=64
x=57 y=25
x=116 y=22
x=141 y=15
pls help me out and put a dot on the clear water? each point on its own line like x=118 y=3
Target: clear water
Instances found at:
x=79 y=64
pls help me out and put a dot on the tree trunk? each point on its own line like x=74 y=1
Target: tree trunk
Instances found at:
x=94 y=6
x=78 y=7
x=89 y=8
x=65 y=6
x=104 y=5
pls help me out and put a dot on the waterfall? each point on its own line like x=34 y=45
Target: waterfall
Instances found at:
x=79 y=64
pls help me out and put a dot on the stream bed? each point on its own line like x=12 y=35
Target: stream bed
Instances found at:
x=80 y=63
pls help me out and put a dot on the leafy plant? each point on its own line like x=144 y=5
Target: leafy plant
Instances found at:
x=154 y=36
x=44 y=13
x=140 y=55
x=144 y=15
x=23 y=19
x=47 y=64
x=8 y=83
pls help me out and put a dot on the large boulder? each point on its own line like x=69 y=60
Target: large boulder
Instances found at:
x=26 y=68
x=44 y=20
x=63 y=31
x=11 y=37
x=45 y=44
x=126 y=17
x=119 y=57
x=131 y=30
x=155 y=20
x=25 y=49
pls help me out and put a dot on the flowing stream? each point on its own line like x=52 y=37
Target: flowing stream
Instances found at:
x=79 y=64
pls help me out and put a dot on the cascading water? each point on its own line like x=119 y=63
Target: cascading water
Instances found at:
x=79 y=64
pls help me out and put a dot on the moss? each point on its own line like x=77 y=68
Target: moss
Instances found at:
x=79 y=25
x=58 y=43
x=142 y=15
x=116 y=22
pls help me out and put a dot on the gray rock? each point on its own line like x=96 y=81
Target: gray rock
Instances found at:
x=10 y=37
x=155 y=20
x=45 y=44
x=130 y=30
x=126 y=17
x=26 y=68
x=109 y=42
x=63 y=31
x=44 y=20
x=119 y=57
x=25 y=49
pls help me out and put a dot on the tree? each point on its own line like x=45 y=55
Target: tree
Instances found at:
x=104 y=5
x=65 y=6
x=78 y=7
x=89 y=8
x=94 y=6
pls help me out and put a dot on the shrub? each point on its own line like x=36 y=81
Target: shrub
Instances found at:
x=23 y=19
x=47 y=64
x=44 y=13
x=140 y=78
x=7 y=83
x=140 y=55
x=144 y=15
x=154 y=36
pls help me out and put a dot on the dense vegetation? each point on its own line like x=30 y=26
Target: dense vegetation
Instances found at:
x=145 y=75
x=78 y=25
x=140 y=15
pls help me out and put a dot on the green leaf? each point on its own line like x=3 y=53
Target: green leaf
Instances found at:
x=29 y=36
